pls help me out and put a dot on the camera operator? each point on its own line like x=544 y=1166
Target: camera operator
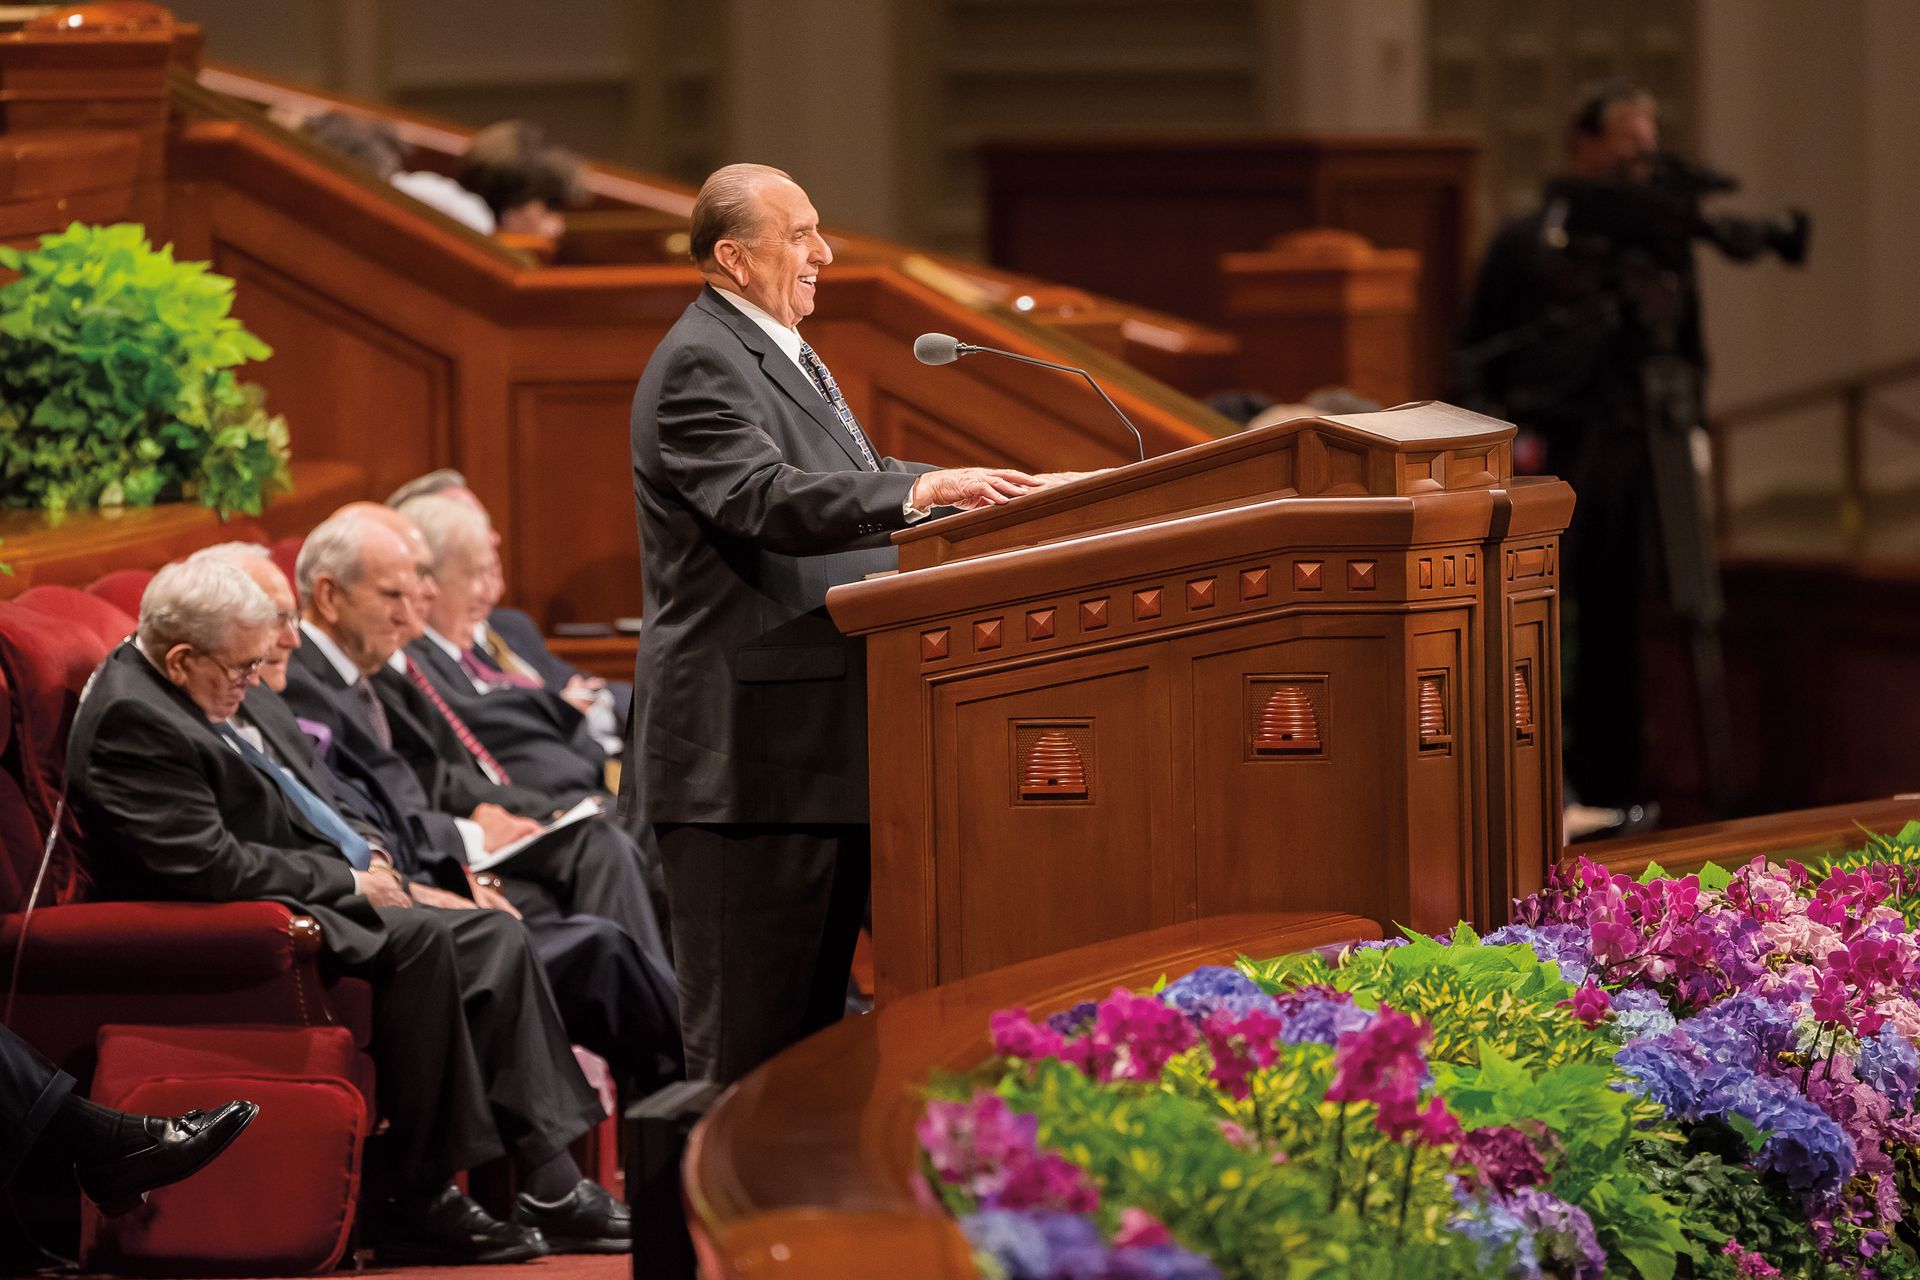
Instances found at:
x=1584 y=329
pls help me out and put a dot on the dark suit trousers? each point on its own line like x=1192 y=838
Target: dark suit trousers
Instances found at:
x=764 y=921
x=31 y=1090
x=589 y=868
x=613 y=999
x=472 y=1059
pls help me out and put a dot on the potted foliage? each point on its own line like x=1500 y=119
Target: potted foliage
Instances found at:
x=117 y=383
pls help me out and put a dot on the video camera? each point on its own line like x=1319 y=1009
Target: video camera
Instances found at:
x=1662 y=215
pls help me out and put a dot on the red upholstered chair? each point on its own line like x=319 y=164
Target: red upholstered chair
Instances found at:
x=122 y=589
x=286 y=552
x=89 y=963
x=108 y=623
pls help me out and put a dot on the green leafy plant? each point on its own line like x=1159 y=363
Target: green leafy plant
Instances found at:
x=118 y=388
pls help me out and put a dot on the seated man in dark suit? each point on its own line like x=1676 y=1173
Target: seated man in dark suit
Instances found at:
x=361 y=591
x=541 y=740
x=613 y=999
x=473 y=1062
x=510 y=640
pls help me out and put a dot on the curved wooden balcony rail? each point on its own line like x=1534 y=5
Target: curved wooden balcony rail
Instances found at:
x=639 y=217
x=808 y=1168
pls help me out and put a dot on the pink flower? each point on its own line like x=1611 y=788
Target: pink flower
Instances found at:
x=1138 y=1229
x=1044 y=1180
x=1436 y=1126
x=1829 y=1000
x=990 y=1150
x=1747 y=1263
x=1590 y=1003
x=1240 y=1046
x=1235 y=1134
x=1015 y=1035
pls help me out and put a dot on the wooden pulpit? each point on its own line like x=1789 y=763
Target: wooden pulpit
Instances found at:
x=1310 y=667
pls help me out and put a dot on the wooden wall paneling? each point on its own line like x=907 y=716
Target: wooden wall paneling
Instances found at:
x=575 y=549
x=353 y=386
x=1444 y=776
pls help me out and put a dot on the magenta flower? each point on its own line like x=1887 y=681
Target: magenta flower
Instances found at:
x=1133 y=1037
x=991 y=1150
x=1240 y=1046
x=1015 y=1035
x=1590 y=1003
x=1435 y=1126
x=1748 y=1263
x=1499 y=1157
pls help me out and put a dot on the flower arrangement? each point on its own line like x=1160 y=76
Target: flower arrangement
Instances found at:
x=1712 y=1075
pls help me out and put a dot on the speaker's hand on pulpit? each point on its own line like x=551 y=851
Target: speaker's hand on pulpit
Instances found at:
x=970 y=487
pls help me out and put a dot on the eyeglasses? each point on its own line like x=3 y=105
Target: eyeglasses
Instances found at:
x=242 y=674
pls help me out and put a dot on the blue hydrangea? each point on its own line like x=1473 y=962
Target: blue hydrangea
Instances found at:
x=1011 y=1238
x=1501 y=1237
x=1639 y=1011
x=1567 y=945
x=1047 y=1245
x=1888 y=1062
x=1692 y=1083
x=1212 y=987
x=1160 y=1262
x=1319 y=1016
x=1746 y=1028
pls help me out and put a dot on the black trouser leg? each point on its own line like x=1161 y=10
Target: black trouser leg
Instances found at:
x=593 y=868
x=612 y=1000
x=765 y=919
x=31 y=1090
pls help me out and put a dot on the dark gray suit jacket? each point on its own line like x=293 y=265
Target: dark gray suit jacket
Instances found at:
x=171 y=812
x=749 y=705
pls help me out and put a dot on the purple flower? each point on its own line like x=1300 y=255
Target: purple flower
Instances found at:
x=1319 y=1015
x=1071 y=1022
x=1065 y=1246
x=1563 y=1237
x=1748 y=1263
x=990 y=1150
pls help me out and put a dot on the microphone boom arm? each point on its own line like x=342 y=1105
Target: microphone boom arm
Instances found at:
x=968 y=348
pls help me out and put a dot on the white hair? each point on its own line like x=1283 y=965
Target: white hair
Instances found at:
x=333 y=550
x=424 y=486
x=231 y=552
x=447 y=523
x=199 y=601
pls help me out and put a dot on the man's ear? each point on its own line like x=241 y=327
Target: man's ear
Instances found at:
x=325 y=599
x=174 y=663
x=731 y=257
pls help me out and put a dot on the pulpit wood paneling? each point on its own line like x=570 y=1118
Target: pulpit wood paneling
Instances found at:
x=1252 y=674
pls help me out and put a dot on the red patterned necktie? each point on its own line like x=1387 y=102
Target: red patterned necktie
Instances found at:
x=488 y=764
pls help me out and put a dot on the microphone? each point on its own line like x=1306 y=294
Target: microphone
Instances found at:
x=943 y=348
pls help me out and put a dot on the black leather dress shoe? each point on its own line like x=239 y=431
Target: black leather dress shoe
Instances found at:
x=180 y=1147
x=588 y=1220
x=451 y=1230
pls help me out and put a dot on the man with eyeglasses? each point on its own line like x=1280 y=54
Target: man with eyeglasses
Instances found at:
x=178 y=804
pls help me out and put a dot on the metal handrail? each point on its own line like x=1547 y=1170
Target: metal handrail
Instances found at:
x=1855 y=395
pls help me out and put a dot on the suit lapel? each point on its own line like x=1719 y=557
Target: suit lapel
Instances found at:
x=784 y=373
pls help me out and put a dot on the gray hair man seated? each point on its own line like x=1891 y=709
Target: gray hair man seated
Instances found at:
x=178 y=804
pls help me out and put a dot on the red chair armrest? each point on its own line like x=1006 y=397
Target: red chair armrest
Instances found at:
x=231 y=943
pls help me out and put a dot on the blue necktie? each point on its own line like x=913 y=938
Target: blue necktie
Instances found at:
x=316 y=810
x=831 y=390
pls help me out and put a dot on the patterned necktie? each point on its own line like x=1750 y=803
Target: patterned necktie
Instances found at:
x=376 y=714
x=316 y=811
x=487 y=676
x=493 y=647
x=483 y=757
x=824 y=383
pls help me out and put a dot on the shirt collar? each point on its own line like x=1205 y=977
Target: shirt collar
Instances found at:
x=446 y=646
x=331 y=651
x=785 y=337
